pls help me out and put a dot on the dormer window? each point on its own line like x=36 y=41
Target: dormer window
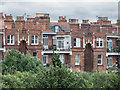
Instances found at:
x=56 y=28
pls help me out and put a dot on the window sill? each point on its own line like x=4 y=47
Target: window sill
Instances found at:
x=34 y=44
x=77 y=65
x=100 y=64
x=77 y=47
x=10 y=44
x=99 y=47
x=44 y=64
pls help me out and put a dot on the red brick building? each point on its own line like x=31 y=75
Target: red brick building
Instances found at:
x=83 y=47
x=2 y=49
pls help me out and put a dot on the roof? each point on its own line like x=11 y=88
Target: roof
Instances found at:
x=64 y=25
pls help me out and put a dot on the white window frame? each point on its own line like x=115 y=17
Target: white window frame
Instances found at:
x=36 y=55
x=100 y=59
x=10 y=40
x=62 y=43
x=45 y=37
x=77 y=59
x=108 y=44
x=62 y=58
x=78 y=42
x=99 y=42
x=46 y=59
x=34 y=40
x=56 y=28
x=108 y=59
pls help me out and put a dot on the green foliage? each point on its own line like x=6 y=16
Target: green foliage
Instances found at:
x=15 y=61
x=103 y=80
x=19 y=80
x=114 y=70
x=55 y=60
x=26 y=72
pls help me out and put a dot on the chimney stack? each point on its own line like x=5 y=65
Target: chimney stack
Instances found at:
x=1 y=14
x=62 y=19
x=20 y=18
x=73 y=21
x=85 y=21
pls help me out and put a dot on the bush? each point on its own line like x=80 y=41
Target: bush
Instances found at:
x=21 y=71
x=15 y=61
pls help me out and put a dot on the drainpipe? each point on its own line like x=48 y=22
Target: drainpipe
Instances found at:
x=28 y=37
x=93 y=40
x=83 y=40
x=4 y=39
x=117 y=30
x=18 y=36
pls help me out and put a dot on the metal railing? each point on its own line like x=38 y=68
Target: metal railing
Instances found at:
x=115 y=49
x=55 y=48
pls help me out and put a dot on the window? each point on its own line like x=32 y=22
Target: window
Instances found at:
x=35 y=55
x=34 y=40
x=99 y=59
x=77 y=59
x=56 y=28
x=76 y=42
x=109 y=61
x=45 y=41
x=62 y=58
x=112 y=31
x=109 y=45
x=45 y=59
x=99 y=42
x=60 y=43
x=10 y=39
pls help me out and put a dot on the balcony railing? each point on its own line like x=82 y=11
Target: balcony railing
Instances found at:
x=115 y=49
x=56 y=48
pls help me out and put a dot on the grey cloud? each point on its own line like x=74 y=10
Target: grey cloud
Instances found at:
x=80 y=10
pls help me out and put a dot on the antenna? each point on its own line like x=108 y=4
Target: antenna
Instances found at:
x=24 y=16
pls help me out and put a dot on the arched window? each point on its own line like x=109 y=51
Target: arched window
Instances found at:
x=34 y=40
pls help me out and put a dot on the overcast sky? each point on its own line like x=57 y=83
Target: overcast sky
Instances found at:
x=80 y=9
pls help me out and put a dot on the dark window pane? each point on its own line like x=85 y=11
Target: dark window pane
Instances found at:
x=32 y=41
x=8 y=37
x=99 y=56
x=99 y=61
x=97 y=43
x=101 y=43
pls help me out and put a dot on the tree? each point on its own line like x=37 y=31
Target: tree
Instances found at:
x=21 y=71
x=15 y=61
x=55 y=60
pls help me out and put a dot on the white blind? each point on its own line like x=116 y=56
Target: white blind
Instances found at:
x=77 y=59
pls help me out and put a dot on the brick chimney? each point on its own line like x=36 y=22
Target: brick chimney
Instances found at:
x=20 y=23
x=42 y=21
x=8 y=21
x=85 y=21
x=20 y=18
x=73 y=21
x=42 y=15
x=74 y=25
x=103 y=21
x=8 y=17
x=85 y=26
x=1 y=15
x=62 y=19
